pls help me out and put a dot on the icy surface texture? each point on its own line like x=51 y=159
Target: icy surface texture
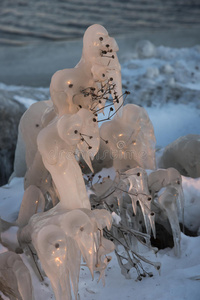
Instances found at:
x=130 y=139
x=61 y=236
x=16 y=276
x=167 y=192
x=183 y=154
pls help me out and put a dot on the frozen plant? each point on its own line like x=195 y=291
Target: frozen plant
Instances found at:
x=69 y=128
x=56 y=221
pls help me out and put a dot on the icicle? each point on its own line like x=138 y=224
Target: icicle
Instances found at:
x=78 y=226
x=139 y=192
x=73 y=264
x=167 y=200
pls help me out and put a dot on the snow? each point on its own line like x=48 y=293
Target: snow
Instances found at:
x=178 y=278
x=191 y=188
x=116 y=218
x=25 y=101
x=11 y=197
x=172 y=121
x=167 y=83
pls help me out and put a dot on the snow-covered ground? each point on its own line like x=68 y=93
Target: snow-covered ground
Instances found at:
x=167 y=83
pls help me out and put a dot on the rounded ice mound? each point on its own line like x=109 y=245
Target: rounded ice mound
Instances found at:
x=145 y=49
x=168 y=69
x=183 y=154
x=152 y=72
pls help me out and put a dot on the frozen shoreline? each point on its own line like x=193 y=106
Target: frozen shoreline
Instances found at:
x=35 y=63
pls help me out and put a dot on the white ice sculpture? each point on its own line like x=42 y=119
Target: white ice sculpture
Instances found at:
x=131 y=139
x=78 y=95
x=88 y=85
x=66 y=130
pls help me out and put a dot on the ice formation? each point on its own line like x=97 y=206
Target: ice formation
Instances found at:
x=61 y=236
x=87 y=86
x=131 y=139
x=65 y=130
x=16 y=276
x=166 y=189
x=60 y=131
x=137 y=181
x=34 y=119
x=141 y=201
x=33 y=202
x=183 y=154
